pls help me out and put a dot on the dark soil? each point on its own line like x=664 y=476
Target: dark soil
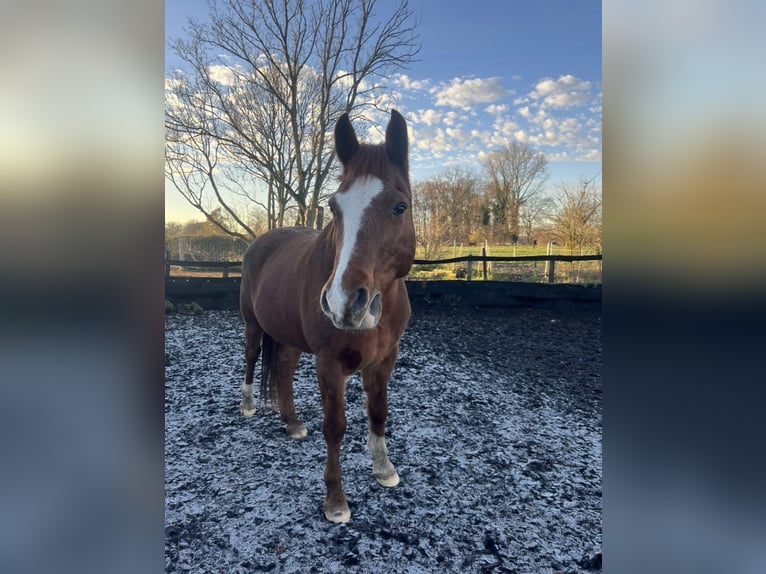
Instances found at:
x=494 y=427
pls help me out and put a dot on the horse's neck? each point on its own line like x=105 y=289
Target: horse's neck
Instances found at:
x=323 y=249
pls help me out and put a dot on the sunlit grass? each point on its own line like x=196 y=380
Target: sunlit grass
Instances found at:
x=579 y=272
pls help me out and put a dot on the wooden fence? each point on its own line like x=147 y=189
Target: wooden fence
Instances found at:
x=220 y=293
x=470 y=260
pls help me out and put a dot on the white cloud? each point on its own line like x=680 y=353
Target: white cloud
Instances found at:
x=545 y=87
x=428 y=117
x=344 y=78
x=379 y=102
x=558 y=156
x=407 y=83
x=463 y=93
x=566 y=100
x=565 y=92
x=432 y=140
x=459 y=120
x=545 y=138
x=171 y=99
x=223 y=75
x=568 y=82
x=496 y=109
x=570 y=125
x=444 y=143
x=457 y=135
x=593 y=155
x=172 y=83
x=451 y=118
x=505 y=128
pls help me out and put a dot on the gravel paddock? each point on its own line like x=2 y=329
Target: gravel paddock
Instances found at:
x=494 y=427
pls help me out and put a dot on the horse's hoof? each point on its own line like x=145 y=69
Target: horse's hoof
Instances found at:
x=338 y=515
x=247 y=411
x=296 y=431
x=388 y=481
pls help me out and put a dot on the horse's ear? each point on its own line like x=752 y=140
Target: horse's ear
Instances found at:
x=396 y=139
x=346 y=143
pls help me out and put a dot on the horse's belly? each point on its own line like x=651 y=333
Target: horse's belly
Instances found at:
x=275 y=301
x=280 y=321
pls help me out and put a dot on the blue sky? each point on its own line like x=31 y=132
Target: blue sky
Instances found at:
x=489 y=72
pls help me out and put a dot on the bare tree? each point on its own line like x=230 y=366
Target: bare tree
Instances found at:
x=534 y=212
x=191 y=164
x=515 y=173
x=267 y=80
x=430 y=223
x=448 y=207
x=577 y=218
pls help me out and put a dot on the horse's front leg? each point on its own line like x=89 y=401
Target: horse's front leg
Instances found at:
x=375 y=385
x=332 y=385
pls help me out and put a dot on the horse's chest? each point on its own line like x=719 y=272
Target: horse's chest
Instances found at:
x=350 y=360
x=363 y=352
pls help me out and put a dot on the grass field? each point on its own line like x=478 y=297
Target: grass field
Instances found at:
x=445 y=252
x=580 y=272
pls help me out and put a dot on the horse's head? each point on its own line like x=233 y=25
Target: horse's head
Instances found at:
x=373 y=231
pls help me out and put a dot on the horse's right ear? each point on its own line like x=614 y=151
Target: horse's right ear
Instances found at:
x=346 y=143
x=396 y=139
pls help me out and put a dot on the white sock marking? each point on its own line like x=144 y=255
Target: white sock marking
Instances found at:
x=378 y=452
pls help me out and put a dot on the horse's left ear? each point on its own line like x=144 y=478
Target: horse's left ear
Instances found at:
x=346 y=143
x=396 y=139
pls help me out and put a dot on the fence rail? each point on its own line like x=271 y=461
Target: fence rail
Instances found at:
x=470 y=260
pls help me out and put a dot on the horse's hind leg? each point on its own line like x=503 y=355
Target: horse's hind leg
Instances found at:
x=287 y=360
x=375 y=385
x=253 y=334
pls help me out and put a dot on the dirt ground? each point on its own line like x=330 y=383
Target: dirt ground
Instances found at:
x=494 y=427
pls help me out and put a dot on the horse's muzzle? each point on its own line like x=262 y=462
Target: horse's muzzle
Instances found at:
x=359 y=312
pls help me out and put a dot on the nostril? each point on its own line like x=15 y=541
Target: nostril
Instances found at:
x=323 y=302
x=375 y=305
x=360 y=303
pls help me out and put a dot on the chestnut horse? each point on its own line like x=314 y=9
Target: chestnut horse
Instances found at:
x=338 y=294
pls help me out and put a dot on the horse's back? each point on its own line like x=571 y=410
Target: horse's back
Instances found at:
x=272 y=275
x=274 y=252
x=275 y=243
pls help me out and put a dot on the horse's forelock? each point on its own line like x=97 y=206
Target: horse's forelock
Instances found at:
x=371 y=160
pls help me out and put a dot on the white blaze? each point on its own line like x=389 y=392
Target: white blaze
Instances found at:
x=352 y=204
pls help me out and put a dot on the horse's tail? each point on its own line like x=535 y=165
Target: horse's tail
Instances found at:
x=269 y=356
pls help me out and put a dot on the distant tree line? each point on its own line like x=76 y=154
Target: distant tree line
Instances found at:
x=202 y=241
x=505 y=204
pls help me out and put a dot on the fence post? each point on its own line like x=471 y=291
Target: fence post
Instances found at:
x=226 y=272
x=484 y=261
x=167 y=265
x=470 y=267
x=551 y=271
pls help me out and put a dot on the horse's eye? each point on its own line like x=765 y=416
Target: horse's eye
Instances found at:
x=400 y=208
